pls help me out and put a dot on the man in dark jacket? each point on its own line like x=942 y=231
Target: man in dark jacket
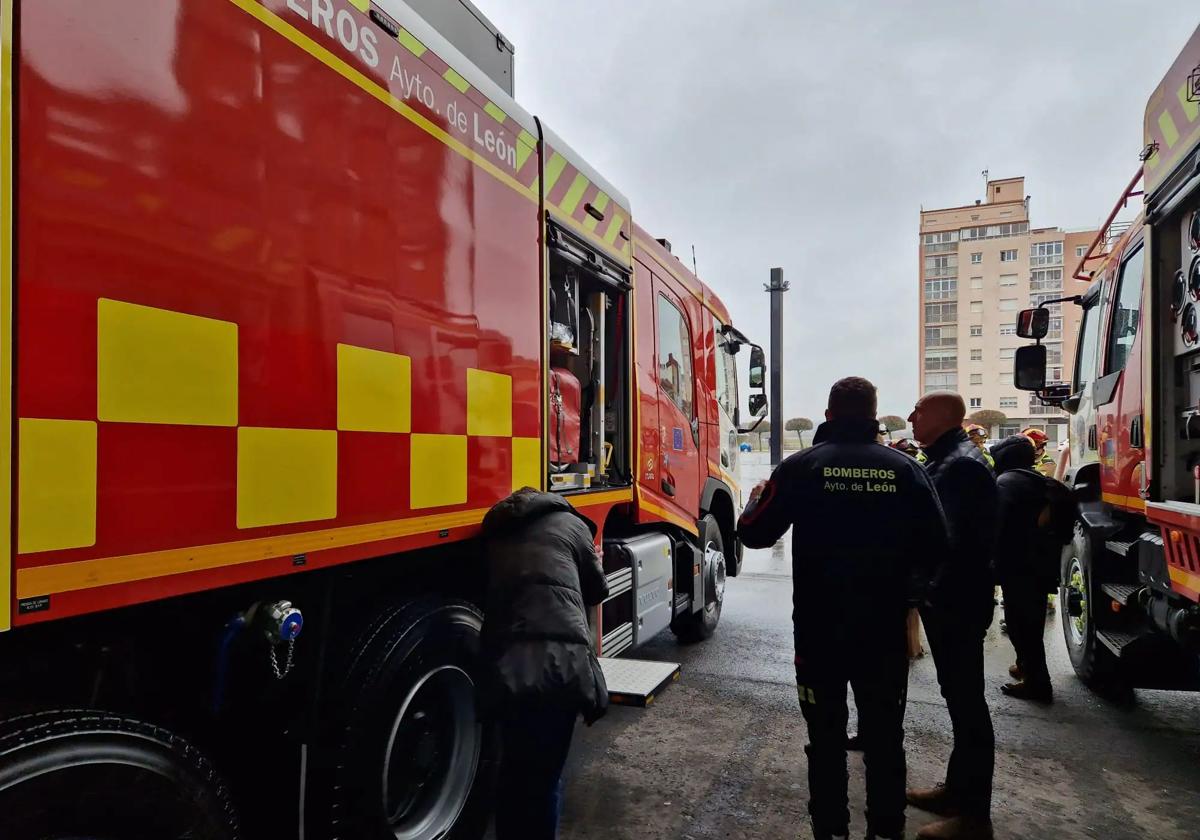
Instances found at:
x=543 y=572
x=957 y=616
x=865 y=523
x=1026 y=564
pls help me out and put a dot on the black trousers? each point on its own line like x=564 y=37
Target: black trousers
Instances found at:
x=1025 y=615
x=879 y=682
x=957 y=647
x=535 y=743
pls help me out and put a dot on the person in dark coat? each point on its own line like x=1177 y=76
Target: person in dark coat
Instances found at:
x=866 y=525
x=543 y=574
x=956 y=618
x=1026 y=564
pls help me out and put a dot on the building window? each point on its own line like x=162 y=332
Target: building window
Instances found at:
x=976 y=330
x=941 y=382
x=976 y=402
x=940 y=243
x=943 y=359
x=976 y=306
x=1008 y=279
x=941 y=336
x=1006 y=378
x=1008 y=256
x=1011 y=329
x=936 y=267
x=941 y=313
x=1053 y=354
x=1042 y=297
x=1080 y=250
x=976 y=282
x=994 y=231
x=1045 y=253
x=1007 y=352
x=976 y=258
x=1055 y=329
x=1008 y=304
x=976 y=378
x=1008 y=402
x=941 y=290
x=1046 y=279
x=977 y=355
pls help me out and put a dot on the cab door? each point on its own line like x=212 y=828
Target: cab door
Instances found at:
x=1083 y=416
x=1118 y=391
x=678 y=413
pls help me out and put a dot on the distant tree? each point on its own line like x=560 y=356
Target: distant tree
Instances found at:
x=799 y=425
x=989 y=418
x=764 y=428
x=893 y=422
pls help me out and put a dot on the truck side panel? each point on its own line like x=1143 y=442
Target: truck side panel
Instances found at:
x=267 y=317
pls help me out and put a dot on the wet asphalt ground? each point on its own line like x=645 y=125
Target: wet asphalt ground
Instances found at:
x=720 y=753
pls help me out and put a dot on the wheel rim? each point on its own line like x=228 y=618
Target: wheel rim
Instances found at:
x=432 y=755
x=1075 y=587
x=714 y=561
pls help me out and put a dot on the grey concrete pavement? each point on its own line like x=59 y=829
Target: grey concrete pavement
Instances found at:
x=720 y=754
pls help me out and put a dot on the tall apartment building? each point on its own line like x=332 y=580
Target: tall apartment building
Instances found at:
x=981 y=264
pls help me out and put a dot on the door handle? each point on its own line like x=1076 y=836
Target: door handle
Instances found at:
x=1091 y=437
x=668 y=487
x=1136 y=437
x=725 y=459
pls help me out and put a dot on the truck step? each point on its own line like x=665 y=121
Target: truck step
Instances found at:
x=617 y=640
x=619 y=582
x=1116 y=641
x=636 y=682
x=1120 y=547
x=1123 y=593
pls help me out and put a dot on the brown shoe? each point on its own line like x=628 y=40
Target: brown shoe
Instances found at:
x=958 y=828
x=935 y=800
x=1025 y=691
x=1014 y=671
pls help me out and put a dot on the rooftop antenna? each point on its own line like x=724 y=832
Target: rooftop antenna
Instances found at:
x=985 y=182
x=695 y=270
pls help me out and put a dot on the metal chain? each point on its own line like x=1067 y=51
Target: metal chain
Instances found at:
x=287 y=665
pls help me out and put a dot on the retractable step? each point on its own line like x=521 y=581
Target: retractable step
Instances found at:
x=1117 y=641
x=636 y=682
x=1123 y=593
x=1121 y=547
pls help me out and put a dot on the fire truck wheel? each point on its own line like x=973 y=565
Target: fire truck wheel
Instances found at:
x=1093 y=662
x=72 y=774
x=697 y=626
x=413 y=760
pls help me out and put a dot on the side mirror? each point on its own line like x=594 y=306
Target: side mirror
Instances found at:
x=758 y=405
x=1033 y=323
x=1055 y=395
x=1029 y=366
x=758 y=367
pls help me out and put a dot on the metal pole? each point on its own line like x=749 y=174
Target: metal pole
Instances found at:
x=775 y=289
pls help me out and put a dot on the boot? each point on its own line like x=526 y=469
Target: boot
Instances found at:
x=1014 y=671
x=958 y=828
x=935 y=800
x=854 y=743
x=1026 y=691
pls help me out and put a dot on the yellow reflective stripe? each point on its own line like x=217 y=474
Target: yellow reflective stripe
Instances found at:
x=452 y=76
x=600 y=202
x=554 y=170
x=298 y=38
x=495 y=113
x=673 y=518
x=614 y=228
x=571 y=199
x=526 y=143
x=584 y=500
x=361 y=5
x=1183 y=578
x=6 y=255
x=410 y=43
x=1190 y=108
x=88 y=574
x=1167 y=124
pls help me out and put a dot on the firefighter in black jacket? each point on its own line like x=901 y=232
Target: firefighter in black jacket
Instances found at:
x=957 y=615
x=866 y=524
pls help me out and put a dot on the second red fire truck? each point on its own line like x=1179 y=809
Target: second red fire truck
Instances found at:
x=291 y=292
x=1131 y=578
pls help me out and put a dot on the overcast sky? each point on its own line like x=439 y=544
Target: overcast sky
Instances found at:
x=808 y=136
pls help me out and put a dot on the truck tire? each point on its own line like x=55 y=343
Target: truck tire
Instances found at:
x=74 y=773
x=698 y=626
x=413 y=760
x=1094 y=663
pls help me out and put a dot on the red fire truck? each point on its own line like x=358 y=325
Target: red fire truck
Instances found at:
x=291 y=292
x=1131 y=578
